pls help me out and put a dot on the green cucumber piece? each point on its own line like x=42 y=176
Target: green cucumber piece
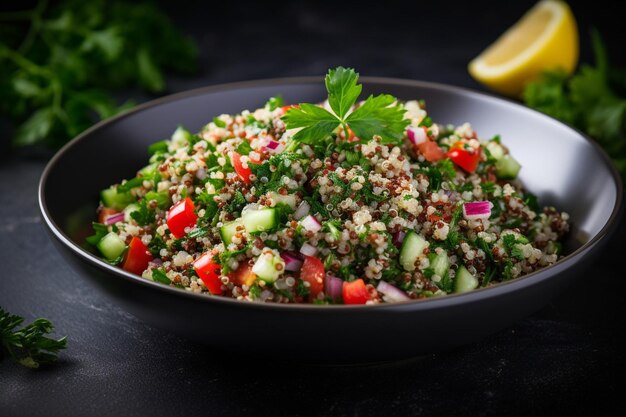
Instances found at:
x=464 y=281
x=128 y=210
x=148 y=170
x=289 y=199
x=228 y=230
x=496 y=150
x=333 y=230
x=115 y=200
x=507 y=168
x=412 y=249
x=111 y=246
x=162 y=198
x=266 y=269
x=441 y=264
x=260 y=220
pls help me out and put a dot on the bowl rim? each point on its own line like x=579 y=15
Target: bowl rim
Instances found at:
x=430 y=303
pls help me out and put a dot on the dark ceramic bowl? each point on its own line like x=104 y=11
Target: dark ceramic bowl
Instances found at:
x=560 y=165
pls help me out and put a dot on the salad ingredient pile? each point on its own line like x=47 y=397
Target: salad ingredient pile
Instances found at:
x=344 y=202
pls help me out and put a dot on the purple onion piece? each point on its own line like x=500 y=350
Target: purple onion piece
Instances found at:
x=477 y=210
x=292 y=262
x=311 y=224
x=272 y=144
x=308 y=250
x=114 y=218
x=391 y=293
x=416 y=135
x=333 y=287
x=398 y=238
x=302 y=210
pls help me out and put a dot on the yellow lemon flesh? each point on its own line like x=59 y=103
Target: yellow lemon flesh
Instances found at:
x=545 y=38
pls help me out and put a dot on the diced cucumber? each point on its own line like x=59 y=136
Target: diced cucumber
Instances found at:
x=495 y=149
x=162 y=198
x=266 y=267
x=180 y=136
x=111 y=246
x=441 y=264
x=129 y=209
x=333 y=230
x=148 y=170
x=228 y=230
x=111 y=198
x=412 y=249
x=464 y=281
x=289 y=199
x=260 y=220
x=507 y=168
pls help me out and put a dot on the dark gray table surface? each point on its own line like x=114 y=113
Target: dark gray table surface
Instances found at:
x=564 y=360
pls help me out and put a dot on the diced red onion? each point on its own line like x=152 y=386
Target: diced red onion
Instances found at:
x=391 y=293
x=155 y=263
x=311 y=224
x=416 y=135
x=333 y=287
x=293 y=261
x=398 y=238
x=308 y=250
x=272 y=144
x=201 y=174
x=302 y=210
x=114 y=218
x=477 y=210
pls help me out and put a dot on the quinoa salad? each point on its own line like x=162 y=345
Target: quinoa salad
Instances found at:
x=340 y=202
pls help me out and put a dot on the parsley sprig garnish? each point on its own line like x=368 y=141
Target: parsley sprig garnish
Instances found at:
x=28 y=346
x=379 y=115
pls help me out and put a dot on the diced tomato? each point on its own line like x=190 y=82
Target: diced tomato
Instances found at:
x=431 y=151
x=243 y=172
x=355 y=292
x=209 y=272
x=243 y=275
x=351 y=136
x=464 y=156
x=312 y=271
x=105 y=212
x=434 y=217
x=181 y=216
x=137 y=257
x=286 y=108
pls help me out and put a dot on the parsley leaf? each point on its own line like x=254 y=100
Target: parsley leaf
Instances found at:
x=316 y=122
x=343 y=90
x=592 y=100
x=378 y=115
x=60 y=61
x=100 y=231
x=143 y=215
x=159 y=276
x=29 y=346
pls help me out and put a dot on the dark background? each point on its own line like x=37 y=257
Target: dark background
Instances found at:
x=564 y=360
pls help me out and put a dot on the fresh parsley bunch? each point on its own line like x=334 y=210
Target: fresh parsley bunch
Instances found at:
x=593 y=100
x=28 y=346
x=58 y=64
x=379 y=115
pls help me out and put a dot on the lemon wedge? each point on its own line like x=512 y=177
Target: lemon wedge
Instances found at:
x=546 y=37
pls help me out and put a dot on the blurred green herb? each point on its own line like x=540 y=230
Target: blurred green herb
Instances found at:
x=59 y=63
x=28 y=346
x=593 y=100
